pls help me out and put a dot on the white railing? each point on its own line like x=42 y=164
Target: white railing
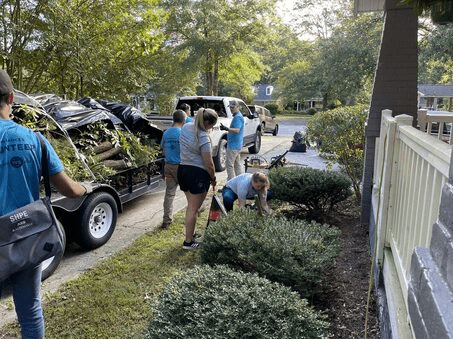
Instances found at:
x=411 y=168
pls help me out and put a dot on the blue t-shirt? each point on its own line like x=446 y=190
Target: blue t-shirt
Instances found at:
x=242 y=186
x=191 y=149
x=170 y=145
x=20 y=165
x=188 y=119
x=234 y=141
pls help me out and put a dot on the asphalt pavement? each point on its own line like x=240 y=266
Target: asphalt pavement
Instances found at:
x=311 y=157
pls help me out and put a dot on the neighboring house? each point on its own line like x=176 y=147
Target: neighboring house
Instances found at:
x=263 y=94
x=434 y=95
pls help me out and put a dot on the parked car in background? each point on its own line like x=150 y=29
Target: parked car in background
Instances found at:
x=268 y=123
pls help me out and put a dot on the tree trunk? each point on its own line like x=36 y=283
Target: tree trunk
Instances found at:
x=215 y=76
x=108 y=154
x=102 y=147
x=117 y=164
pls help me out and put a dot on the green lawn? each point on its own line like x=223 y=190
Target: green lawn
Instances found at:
x=112 y=300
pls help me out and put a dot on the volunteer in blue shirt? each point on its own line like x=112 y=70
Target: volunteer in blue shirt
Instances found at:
x=20 y=169
x=171 y=149
x=186 y=108
x=235 y=138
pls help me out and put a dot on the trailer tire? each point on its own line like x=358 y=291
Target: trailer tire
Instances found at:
x=96 y=220
x=220 y=158
x=49 y=266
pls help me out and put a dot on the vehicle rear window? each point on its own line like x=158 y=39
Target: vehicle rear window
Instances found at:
x=196 y=104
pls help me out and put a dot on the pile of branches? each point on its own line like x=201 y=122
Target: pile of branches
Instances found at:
x=91 y=144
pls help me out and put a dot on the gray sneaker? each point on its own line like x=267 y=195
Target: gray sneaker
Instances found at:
x=193 y=245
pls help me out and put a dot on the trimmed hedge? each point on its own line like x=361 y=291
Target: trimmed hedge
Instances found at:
x=219 y=303
x=292 y=252
x=314 y=191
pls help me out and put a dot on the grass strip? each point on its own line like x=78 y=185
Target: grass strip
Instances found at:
x=112 y=300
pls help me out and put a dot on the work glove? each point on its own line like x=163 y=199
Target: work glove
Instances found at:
x=223 y=127
x=88 y=187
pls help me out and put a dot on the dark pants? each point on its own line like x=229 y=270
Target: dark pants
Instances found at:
x=229 y=198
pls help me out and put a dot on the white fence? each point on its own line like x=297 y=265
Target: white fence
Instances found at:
x=411 y=168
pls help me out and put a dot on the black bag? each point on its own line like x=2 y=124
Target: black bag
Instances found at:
x=298 y=143
x=32 y=233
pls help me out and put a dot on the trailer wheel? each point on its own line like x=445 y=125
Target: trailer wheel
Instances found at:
x=96 y=220
x=49 y=266
x=220 y=158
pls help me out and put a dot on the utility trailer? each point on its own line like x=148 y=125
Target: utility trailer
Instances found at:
x=91 y=220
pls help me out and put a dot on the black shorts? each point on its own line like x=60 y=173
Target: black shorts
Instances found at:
x=193 y=179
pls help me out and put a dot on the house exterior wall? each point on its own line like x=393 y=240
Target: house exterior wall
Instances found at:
x=395 y=83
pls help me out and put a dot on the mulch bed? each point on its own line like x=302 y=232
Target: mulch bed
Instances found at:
x=346 y=282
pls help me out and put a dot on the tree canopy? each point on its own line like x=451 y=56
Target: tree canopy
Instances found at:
x=114 y=48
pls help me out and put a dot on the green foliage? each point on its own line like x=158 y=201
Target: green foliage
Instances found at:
x=435 y=58
x=36 y=119
x=312 y=111
x=335 y=68
x=138 y=150
x=80 y=48
x=221 y=303
x=215 y=39
x=313 y=191
x=292 y=252
x=273 y=108
x=340 y=136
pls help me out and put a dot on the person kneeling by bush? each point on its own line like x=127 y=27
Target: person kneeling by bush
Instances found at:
x=247 y=185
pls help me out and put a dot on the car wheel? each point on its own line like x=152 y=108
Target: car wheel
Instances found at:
x=49 y=266
x=96 y=220
x=275 y=131
x=255 y=148
x=220 y=158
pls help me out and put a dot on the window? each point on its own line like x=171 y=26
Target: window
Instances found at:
x=269 y=90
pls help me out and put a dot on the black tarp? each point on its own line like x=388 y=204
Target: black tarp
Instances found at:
x=130 y=116
x=71 y=114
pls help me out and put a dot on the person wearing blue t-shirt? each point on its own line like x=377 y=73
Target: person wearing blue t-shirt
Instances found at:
x=235 y=138
x=186 y=108
x=171 y=149
x=20 y=170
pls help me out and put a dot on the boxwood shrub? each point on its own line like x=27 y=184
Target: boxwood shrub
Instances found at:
x=291 y=252
x=313 y=191
x=218 y=302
